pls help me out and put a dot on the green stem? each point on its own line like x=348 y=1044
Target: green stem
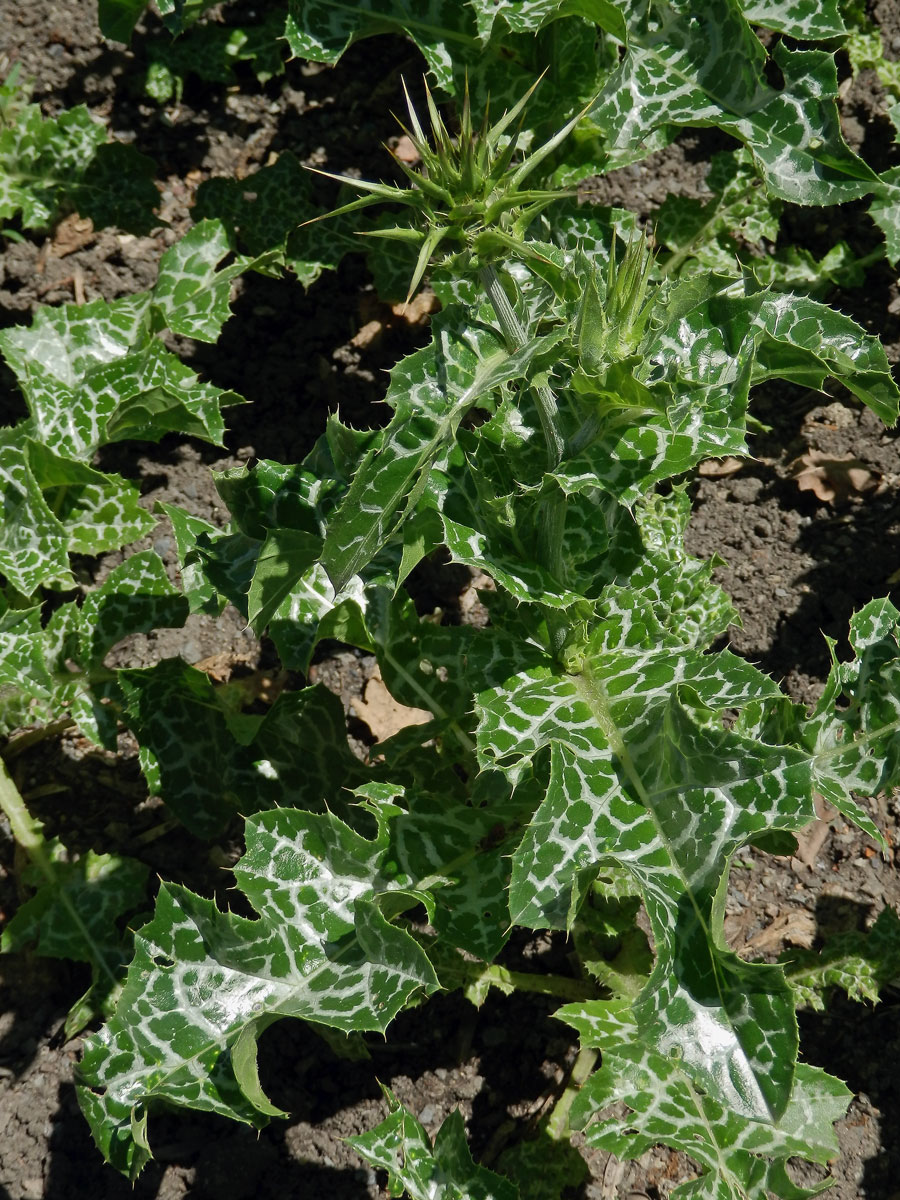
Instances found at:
x=61 y=491
x=552 y=510
x=524 y=981
x=25 y=829
x=558 y=1122
x=551 y=532
x=28 y=832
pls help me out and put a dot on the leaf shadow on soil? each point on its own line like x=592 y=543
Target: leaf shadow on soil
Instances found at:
x=506 y=1054
x=856 y=1042
x=854 y=551
x=30 y=995
x=216 y=1159
x=311 y=365
x=210 y=124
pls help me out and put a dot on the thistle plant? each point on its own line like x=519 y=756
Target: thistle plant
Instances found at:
x=587 y=752
x=466 y=199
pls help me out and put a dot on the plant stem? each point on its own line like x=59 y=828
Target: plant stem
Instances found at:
x=552 y=511
x=558 y=1122
x=28 y=834
x=25 y=829
x=524 y=981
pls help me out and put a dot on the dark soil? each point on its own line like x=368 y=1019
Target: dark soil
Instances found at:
x=796 y=566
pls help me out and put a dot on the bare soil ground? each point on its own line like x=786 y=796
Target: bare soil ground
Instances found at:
x=796 y=565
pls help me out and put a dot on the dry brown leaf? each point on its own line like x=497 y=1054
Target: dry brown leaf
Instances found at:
x=833 y=478
x=217 y=666
x=811 y=840
x=381 y=712
x=406 y=151
x=378 y=317
x=719 y=468
x=72 y=233
x=422 y=305
x=795 y=928
x=471 y=608
x=370 y=333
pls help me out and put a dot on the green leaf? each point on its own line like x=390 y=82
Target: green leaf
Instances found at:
x=93 y=373
x=309 y=615
x=119 y=17
x=782 y=336
x=98 y=889
x=201 y=977
x=200 y=593
x=544 y=1167
x=323 y=30
x=712 y=233
x=183 y=724
x=118 y=188
x=642 y=775
x=41 y=160
x=444 y=1171
x=861 y=963
x=265 y=210
x=179 y=15
x=439 y=667
x=279 y=512
x=300 y=756
x=740 y=1158
x=286 y=556
x=463 y=848
x=24 y=676
x=885 y=208
x=227 y=562
x=811 y=23
x=534 y=15
x=182 y=728
x=97 y=512
x=685 y=66
x=430 y=391
x=854 y=732
x=806 y=342
x=273 y=496
x=135 y=597
x=795 y=269
x=45 y=670
x=211 y=50
x=192 y=293
x=246 y=1072
x=78 y=916
x=51 y=164
x=33 y=543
